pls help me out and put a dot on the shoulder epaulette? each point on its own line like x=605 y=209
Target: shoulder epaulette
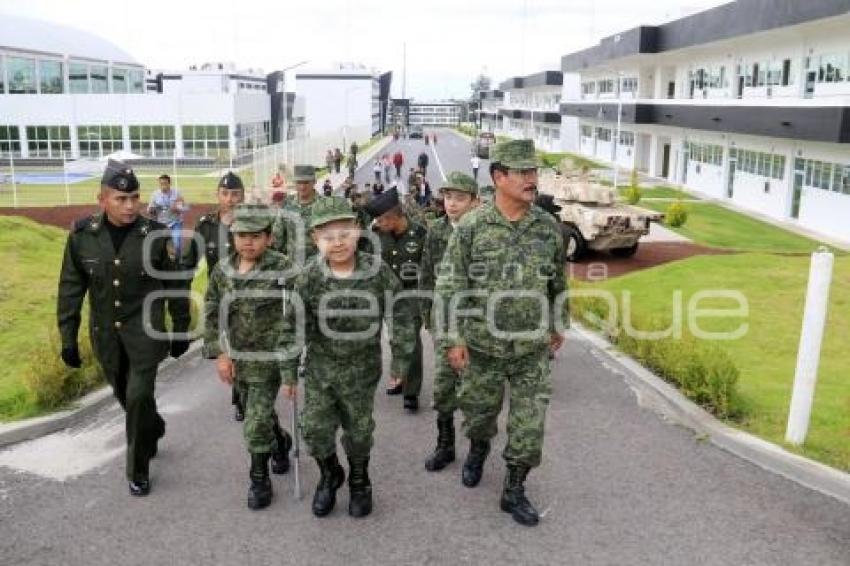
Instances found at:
x=91 y=221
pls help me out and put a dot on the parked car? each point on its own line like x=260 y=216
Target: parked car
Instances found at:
x=416 y=132
x=481 y=145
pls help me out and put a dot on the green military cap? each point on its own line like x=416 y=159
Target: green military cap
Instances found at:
x=462 y=182
x=252 y=218
x=487 y=192
x=305 y=173
x=514 y=154
x=328 y=209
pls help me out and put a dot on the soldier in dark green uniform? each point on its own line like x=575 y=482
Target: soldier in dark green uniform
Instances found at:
x=290 y=237
x=345 y=297
x=401 y=240
x=217 y=242
x=511 y=250
x=460 y=196
x=105 y=257
x=250 y=342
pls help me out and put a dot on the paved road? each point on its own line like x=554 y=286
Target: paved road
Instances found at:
x=619 y=485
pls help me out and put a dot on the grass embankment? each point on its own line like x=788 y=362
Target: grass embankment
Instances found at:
x=33 y=380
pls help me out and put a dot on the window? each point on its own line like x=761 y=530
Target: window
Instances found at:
x=586 y=132
x=119 y=81
x=97 y=141
x=49 y=141
x=708 y=154
x=603 y=134
x=51 y=77
x=205 y=141
x=627 y=139
x=2 y=77
x=762 y=164
x=152 y=141
x=10 y=141
x=588 y=89
x=78 y=78
x=832 y=68
x=21 y=75
x=606 y=86
x=629 y=85
x=136 y=81
x=99 y=82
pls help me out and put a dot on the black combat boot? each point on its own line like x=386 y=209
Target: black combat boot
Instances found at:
x=238 y=409
x=474 y=465
x=260 y=493
x=360 y=488
x=411 y=403
x=280 y=455
x=513 y=497
x=140 y=485
x=444 y=454
x=331 y=479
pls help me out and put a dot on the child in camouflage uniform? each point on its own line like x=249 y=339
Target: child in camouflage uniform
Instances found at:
x=344 y=296
x=248 y=339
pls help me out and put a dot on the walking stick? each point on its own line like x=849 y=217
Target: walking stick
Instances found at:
x=296 y=442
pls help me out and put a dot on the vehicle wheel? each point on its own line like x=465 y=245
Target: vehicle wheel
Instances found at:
x=625 y=252
x=576 y=246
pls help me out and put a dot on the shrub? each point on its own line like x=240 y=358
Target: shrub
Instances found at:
x=676 y=214
x=51 y=384
x=633 y=194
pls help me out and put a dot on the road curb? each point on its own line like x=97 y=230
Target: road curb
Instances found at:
x=30 y=429
x=653 y=390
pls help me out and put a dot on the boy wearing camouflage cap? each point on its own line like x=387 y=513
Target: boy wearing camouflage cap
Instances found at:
x=460 y=195
x=245 y=334
x=344 y=295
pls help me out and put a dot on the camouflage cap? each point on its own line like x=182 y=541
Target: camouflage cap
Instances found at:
x=514 y=154
x=462 y=182
x=304 y=173
x=252 y=218
x=329 y=209
x=119 y=176
x=486 y=193
x=231 y=182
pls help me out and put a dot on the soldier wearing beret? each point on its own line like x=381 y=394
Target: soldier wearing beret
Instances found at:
x=217 y=241
x=107 y=257
x=515 y=249
x=289 y=235
x=460 y=195
x=249 y=343
x=401 y=243
x=342 y=360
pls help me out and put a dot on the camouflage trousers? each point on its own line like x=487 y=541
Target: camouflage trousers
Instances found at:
x=482 y=391
x=413 y=380
x=337 y=397
x=261 y=426
x=446 y=384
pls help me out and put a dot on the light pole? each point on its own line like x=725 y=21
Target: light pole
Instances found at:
x=286 y=109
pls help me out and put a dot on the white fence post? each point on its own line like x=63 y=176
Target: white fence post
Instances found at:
x=811 y=338
x=65 y=179
x=14 y=180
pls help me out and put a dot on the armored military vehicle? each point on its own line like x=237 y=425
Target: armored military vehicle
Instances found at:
x=591 y=217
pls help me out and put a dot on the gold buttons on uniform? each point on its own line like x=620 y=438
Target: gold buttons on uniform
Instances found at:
x=118 y=325
x=117 y=261
x=395 y=252
x=117 y=303
x=116 y=283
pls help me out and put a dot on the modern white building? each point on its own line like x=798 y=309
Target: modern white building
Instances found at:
x=489 y=103
x=530 y=109
x=64 y=92
x=444 y=114
x=345 y=104
x=748 y=102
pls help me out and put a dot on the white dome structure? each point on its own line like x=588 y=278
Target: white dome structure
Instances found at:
x=38 y=36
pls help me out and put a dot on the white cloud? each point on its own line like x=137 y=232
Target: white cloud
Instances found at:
x=448 y=41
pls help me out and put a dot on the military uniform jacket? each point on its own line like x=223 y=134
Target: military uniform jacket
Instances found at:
x=285 y=230
x=366 y=296
x=488 y=254
x=117 y=284
x=216 y=236
x=254 y=324
x=404 y=253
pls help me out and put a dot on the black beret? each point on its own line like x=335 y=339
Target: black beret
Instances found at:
x=119 y=176
x=383 y=202
x=231 y=182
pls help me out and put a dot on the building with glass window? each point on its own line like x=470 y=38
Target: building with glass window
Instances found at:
x=489 y=103
x=68 y=94
x=529 y=109
x=747 y=102
x=444 y=114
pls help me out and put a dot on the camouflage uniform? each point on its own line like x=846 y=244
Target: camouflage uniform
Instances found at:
x=118 y=283
x=285 y=231
x=488 y=253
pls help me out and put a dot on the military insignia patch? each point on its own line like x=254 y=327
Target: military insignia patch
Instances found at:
x=411 y=247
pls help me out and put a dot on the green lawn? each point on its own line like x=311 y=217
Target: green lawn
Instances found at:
x=716 y=226
x=659 y=191
x=774 y=287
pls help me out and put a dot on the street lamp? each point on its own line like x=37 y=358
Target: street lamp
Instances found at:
x=619 y=121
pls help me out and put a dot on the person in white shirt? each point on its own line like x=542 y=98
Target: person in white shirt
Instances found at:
x=168 y=206
x=476 y=163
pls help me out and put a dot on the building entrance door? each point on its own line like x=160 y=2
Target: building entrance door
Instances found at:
x=799 y=173
x=730 y=179
x=665 y=161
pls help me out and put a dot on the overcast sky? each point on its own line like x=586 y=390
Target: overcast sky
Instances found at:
x=449 y=42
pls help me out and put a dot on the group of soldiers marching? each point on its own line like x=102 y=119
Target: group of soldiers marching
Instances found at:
x=300 y=294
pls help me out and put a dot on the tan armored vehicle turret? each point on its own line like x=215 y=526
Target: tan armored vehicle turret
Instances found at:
x=591 y=216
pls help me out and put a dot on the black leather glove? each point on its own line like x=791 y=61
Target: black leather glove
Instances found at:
x=71 y=356
x=179 y=347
